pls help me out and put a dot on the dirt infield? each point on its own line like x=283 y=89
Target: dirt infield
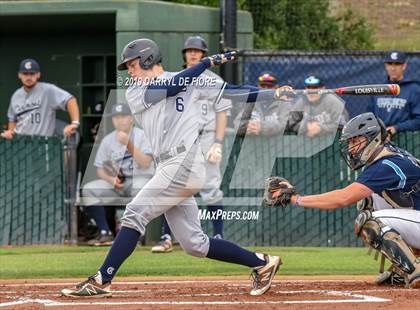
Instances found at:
x=214 y=292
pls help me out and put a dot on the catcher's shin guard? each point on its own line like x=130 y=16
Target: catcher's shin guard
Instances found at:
x=389 y=242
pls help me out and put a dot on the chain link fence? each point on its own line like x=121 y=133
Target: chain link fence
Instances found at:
x=324 y=171
x=32 y=191
x=290 y=226
x=335 y=68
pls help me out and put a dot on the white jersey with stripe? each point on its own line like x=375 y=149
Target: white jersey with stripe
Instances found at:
x=209 y=108
x=173 y=121
x=34 y=111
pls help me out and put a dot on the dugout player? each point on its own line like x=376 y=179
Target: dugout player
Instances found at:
x=167 y=111
x=317 y=114
x=399 y=113
x=264 y=118
x=212 y=125
x=32 y=107
x=388 y=188
x=123 y=165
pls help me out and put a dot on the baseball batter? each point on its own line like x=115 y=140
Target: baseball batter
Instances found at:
x=389 y=187
x=212 y=125
x=32 y=109
x=168 y=113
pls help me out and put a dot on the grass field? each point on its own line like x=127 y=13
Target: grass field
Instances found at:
x=67 y=262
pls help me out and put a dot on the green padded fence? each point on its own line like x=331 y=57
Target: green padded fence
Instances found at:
x=322 y=172
x=32 y=191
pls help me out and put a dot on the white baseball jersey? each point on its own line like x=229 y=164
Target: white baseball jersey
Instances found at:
x=112 y=150
x=34 y=111
x=209 y=108
x=173 y=121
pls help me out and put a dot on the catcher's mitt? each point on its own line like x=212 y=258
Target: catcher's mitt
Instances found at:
x=112 y=168
x=278 y=192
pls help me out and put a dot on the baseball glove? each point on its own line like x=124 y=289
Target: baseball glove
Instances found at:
x=112 y=168
x=278 y=192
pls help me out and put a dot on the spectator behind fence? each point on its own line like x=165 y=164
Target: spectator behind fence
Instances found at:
x=123 y=164
x=32 y=109
x=317 y=114
x=402 y=112
x=263 y=118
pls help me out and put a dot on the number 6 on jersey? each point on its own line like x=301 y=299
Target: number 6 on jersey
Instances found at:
x=179 y=104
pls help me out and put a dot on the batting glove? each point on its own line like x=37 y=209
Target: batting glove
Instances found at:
x=219 y=59
x=214 y=155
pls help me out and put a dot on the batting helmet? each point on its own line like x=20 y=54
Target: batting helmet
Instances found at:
x=195 y=42
x=145 y=49
x=364 y=125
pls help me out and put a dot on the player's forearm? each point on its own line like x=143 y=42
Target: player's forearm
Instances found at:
x=329 y=127
x=409 y=125
x=335 y=199
x=269 y=128
x=221 y=123
x=104 y=176
x=73 y=110
x=327 y=201
x=247 y=93
x=141 y=159
x=11 y=126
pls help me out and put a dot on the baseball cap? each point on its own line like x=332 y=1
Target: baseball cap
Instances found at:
x=313 y=81
x=395 y=56
x=29 y=65
x=267 y=77
x=120 y=109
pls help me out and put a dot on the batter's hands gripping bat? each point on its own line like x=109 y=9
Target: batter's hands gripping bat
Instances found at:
x=362 y=90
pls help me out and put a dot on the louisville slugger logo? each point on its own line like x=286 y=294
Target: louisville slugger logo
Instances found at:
x=370 y=90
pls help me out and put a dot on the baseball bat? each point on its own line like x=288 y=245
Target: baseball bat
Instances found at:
x=362 y=90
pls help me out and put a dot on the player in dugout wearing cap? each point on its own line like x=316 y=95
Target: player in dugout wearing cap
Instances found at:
x=33 y=106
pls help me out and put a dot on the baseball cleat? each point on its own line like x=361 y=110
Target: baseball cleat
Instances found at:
x=163 y=246
x=389 y=278
x=89 y=288
x=415 y=282
x=263 y=276
x=101 y=240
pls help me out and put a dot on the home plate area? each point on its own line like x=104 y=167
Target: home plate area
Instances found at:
x=206 y=294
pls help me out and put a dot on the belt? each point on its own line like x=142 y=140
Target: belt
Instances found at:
x=169 y=154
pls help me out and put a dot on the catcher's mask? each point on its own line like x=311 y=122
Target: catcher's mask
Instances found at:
x=357 y=154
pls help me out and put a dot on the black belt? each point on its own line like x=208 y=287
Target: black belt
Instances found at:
x=169 y=154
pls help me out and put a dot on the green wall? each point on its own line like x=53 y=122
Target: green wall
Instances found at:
x=57 y=33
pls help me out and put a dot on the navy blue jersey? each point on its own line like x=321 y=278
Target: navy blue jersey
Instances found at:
x=402 y=111
x=393 y=175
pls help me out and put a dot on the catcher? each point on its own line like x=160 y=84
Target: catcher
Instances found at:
x=388 y=191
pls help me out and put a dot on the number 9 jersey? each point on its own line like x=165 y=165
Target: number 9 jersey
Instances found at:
x=209 y=108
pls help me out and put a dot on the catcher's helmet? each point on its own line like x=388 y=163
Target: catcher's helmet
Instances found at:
x=366 y=125
x=145 y=49
x=267 y=78
x=195 y=42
